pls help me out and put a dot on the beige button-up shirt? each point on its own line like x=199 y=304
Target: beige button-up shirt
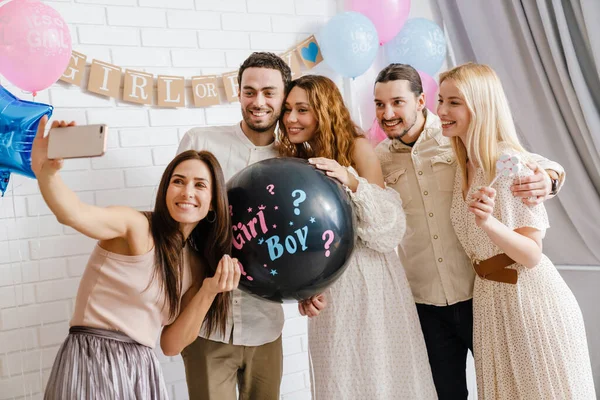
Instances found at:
x=438 y=270
x=251 y=321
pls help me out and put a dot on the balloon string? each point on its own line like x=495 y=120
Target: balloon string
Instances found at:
x=494 y=180
x=356 y=104
x=312 y=375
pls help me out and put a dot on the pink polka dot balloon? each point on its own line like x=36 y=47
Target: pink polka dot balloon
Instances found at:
x=507 y=166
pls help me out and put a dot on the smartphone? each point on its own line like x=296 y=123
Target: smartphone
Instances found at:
x=77 y=141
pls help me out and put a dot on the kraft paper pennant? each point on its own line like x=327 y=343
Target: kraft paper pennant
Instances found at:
x=292 y=61
x=170 y=91
x=74 y=72
x=309 y=52
x=205 y=91
x=138 y=87
x=105 y=79
x=231 y=86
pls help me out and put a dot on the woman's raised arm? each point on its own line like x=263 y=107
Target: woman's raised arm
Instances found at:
x=102 y=223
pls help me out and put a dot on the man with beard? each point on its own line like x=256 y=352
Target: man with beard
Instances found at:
x=249 y=352
x=418 y=162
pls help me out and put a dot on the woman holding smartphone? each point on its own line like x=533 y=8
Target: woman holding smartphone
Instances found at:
x=148 y=270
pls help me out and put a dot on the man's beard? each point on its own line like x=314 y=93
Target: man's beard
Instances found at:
x=404 y=132
x=260 y=128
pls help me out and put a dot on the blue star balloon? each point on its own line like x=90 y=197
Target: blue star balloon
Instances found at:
x=19 y=121
x=4 y=177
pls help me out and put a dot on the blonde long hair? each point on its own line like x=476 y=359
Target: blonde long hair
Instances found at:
x=336 y=132
x=491 y=119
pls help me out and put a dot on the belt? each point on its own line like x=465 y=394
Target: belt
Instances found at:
x=495 y=269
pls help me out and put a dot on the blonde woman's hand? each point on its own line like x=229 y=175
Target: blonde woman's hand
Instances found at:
x=39 y=150
x=333 y=169
x=482 y=205
x=313 y=306
x=226 y=278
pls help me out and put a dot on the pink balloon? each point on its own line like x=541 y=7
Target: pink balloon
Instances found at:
x=388 y=16
x=35 y=44
x=430 y=87
x=375 y=134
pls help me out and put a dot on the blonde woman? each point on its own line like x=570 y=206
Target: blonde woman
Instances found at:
x=529 y=336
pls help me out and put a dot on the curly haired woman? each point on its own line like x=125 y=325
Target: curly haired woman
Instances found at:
x=367 y=343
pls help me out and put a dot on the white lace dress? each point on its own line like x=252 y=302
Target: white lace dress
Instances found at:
x=367 y=344
x=529 y=339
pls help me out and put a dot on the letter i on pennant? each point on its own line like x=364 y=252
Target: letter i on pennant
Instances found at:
x=105 y=79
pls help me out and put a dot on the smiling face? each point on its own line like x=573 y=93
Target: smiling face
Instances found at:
x=261 y=97
x=299 y=118
x=453 y=111
x=397 y=107
x=189 y=194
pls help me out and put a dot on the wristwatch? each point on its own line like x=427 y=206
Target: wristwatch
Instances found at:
x=554 y=190
x=554 y=180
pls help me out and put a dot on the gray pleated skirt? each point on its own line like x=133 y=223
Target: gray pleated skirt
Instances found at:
x=99 y=364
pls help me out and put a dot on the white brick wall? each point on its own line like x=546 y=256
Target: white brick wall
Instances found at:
x=40 y=261
x=194 y=20
x=138 y=16
x=108 y=35
x=223 y=5
x=245 y=22
x=169 y=38
x=223 y=40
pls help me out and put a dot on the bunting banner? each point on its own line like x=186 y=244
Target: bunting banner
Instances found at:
x=138 y=87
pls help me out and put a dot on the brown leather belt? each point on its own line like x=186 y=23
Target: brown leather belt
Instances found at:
x=495 y=269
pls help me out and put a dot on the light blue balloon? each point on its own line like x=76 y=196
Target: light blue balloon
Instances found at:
x=349 y=43
x=420 y=43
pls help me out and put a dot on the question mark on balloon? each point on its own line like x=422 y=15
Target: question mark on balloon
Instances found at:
x=244 y=272
x=231 y=210
x=300 y=199
x=328 y=233
x=270 y=188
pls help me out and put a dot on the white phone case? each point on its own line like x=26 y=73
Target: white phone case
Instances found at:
x=77 y=141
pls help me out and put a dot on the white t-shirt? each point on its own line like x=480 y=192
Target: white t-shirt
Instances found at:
x=256 y=321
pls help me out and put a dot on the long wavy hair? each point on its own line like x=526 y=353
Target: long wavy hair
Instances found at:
x=210 y=240
x=336 y=132
x=491 y=119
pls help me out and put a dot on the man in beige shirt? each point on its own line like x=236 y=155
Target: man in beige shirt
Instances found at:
x=418 y=162
x=249 y=355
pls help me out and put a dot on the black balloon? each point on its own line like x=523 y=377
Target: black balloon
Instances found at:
x=293 y=229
